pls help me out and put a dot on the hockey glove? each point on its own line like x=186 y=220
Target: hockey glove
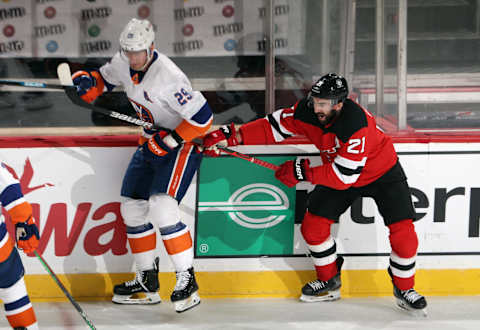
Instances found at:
x=159 y=145
x=27 y=235
x=226 y=135
x=293 y=171
x=89 y=85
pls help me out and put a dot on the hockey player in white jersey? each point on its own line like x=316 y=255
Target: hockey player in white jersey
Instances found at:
x=13 y=293
x=163 y=166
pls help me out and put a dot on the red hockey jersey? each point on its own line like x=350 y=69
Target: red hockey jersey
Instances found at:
x=355 y=152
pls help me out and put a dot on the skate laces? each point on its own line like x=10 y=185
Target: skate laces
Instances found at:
x=138 y=279
x=317 y=284
x=411 y=295
x=182 y=280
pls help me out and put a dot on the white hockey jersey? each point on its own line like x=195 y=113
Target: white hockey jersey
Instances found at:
x=162 y=95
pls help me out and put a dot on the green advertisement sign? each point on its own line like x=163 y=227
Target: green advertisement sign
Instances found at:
x=242 y=210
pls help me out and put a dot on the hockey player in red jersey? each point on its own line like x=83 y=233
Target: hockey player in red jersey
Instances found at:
x=358 y=160
x=163 y=166
x=18 y=309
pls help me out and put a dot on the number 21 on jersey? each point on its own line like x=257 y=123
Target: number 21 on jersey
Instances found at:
x=356 y=146
x=183 y=96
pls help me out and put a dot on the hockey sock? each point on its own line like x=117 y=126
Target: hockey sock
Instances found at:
x=316 y=232
x=142 y=240
x=178 y=243
x=404 y=243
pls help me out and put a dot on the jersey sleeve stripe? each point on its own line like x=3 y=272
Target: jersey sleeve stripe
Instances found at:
x=348 y=171
x=189 y=130
x=20 y=212
x=279 y=131
x=13 y=204
x=203 y=116
x=345 y=178
x=10 y=194
x=348 y=163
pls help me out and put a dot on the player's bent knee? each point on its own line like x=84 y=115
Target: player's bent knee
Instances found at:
x=315 y=229
x=164 y=210
x=403 y=238
x=134 y=211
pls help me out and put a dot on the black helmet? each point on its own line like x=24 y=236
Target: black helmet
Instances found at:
x=331 y=86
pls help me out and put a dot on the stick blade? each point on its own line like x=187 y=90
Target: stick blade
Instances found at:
x=64 y=74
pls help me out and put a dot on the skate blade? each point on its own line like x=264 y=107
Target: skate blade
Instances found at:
x=136 y=299
x=330 y=296
x=411 y=311
x=186 y=304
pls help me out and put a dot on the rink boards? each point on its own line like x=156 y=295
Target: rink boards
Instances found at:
x=244 y=223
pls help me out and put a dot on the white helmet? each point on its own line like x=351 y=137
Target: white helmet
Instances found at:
x=137 y=35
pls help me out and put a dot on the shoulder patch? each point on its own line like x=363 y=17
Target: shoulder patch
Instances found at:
x=351 y=120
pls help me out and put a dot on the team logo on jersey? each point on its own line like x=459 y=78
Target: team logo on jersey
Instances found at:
x=145 y=95
x=142 y=112
x=264 y=203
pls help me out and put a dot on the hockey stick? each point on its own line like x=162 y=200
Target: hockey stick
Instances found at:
x=65 y=291
x=249 y=158
x=31 y=84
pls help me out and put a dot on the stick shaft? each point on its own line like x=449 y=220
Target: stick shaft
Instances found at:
x=30 y=84
x=65 y=291
x=249 y=158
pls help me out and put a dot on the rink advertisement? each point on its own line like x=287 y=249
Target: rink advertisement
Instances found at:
x=243 y=211
x=242 y=219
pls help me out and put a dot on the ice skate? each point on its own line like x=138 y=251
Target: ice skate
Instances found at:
x=185 y=294
x=143 y=289
x=317 y=290
x=410 y=300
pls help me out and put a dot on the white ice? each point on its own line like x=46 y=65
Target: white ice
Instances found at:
x=444 y=313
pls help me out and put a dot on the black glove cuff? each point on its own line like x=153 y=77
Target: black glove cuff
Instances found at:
x=299 y=170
